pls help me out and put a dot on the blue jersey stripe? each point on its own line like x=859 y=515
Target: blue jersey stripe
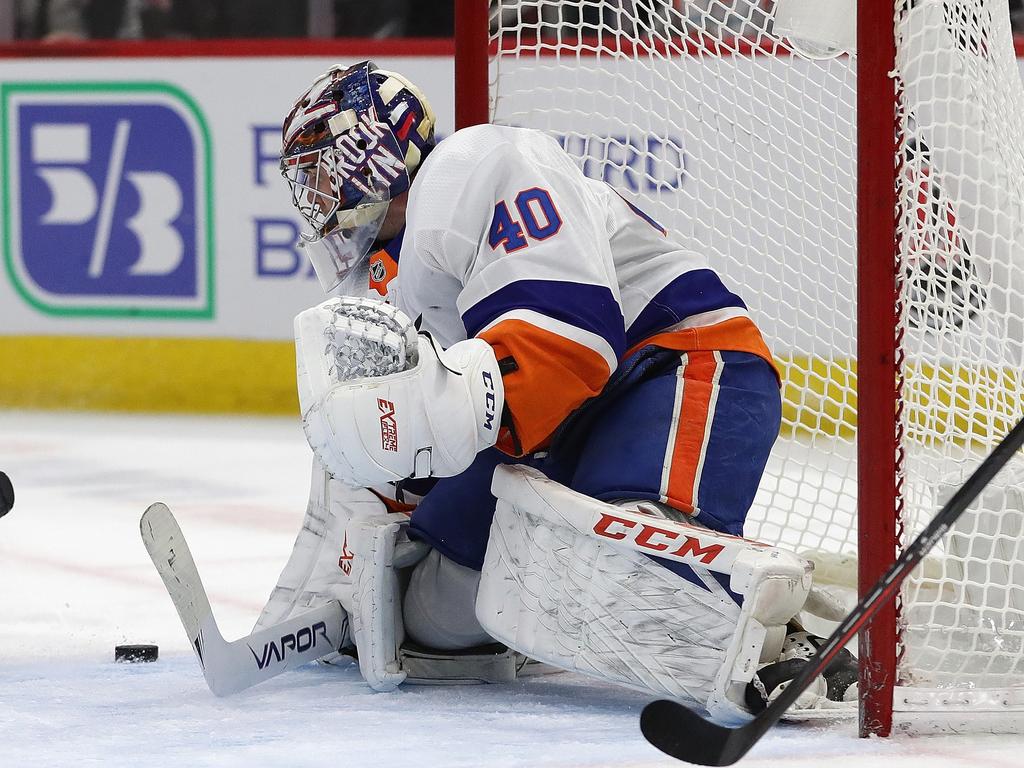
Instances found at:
x=590 y=307
x=689 y=294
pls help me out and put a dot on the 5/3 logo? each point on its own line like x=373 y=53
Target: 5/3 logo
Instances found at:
x=107 y=192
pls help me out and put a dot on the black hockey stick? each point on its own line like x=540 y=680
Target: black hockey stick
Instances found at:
x=685 y=735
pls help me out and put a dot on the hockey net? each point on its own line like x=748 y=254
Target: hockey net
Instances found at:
x=744 y=143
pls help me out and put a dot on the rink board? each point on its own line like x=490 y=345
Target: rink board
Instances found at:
x=93 y=310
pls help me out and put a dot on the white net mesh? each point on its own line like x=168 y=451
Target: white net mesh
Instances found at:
x=747 y=151
x=962 y=256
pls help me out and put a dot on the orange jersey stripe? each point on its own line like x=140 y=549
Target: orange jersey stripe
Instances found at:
x=555 y=376
x=738 y=334
x=686 y=452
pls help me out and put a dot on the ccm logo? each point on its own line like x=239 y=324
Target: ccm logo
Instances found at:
x=489 y=400
x=388 y=425
x=655 y=538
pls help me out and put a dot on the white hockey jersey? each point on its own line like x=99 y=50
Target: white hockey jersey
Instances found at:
x=507 y=240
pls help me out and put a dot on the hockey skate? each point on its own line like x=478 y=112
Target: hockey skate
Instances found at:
x=833 y=694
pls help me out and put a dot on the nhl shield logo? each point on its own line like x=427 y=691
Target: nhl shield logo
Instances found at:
x=378 y=271
x=107 y=189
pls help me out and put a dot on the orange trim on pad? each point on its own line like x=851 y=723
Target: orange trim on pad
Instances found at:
x=392 y=504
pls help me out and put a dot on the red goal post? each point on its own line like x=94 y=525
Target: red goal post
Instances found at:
x=851 y=199
x=877 y=352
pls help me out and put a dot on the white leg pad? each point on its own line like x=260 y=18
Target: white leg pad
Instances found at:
x=315 y=565
x=349 y=549
x=566 y=580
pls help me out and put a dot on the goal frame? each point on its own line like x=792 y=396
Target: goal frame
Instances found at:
x=878 y=424
x=878 y=361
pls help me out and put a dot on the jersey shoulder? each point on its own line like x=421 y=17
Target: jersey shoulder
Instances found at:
x=477 y=142
x=458 y=176
x=459 y=156
x=452 y=199
x=480 y=154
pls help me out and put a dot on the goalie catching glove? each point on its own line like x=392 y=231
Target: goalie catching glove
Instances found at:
x=381 y=403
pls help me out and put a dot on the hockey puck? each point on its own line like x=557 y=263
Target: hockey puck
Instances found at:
x=6 y=494
x=135 y=654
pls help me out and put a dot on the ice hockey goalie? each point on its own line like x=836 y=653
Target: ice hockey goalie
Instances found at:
x=536 y=419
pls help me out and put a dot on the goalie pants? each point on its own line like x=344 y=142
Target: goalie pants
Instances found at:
x=692 y=430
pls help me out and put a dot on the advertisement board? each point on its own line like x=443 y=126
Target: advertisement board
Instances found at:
x=142 y=197
x=150 y=249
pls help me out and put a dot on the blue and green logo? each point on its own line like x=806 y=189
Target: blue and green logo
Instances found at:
x=107 y=197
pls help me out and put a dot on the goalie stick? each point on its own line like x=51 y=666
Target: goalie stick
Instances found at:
x=685 y=735
x=235 y=666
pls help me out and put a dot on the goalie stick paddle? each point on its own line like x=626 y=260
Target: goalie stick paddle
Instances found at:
x=235 y=666
x=685 y=735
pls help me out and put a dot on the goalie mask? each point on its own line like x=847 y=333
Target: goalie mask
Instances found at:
x=351 y=144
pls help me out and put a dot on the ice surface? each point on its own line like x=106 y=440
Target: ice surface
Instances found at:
x=75 y=580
